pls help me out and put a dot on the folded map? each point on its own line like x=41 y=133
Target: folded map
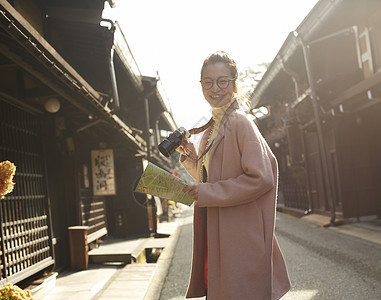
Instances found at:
x=158 y=182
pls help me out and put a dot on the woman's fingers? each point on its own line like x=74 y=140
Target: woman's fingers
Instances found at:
x=192 y=191
x=187 y=149
x=180 y=149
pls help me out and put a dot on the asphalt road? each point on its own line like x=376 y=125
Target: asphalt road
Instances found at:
x=325 y=264
x=322 y=263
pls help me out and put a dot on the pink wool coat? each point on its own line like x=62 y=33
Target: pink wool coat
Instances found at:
x=237 y=209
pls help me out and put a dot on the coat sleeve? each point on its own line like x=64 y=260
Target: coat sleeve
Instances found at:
x=257 y=176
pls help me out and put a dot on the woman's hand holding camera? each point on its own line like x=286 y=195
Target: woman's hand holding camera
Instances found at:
x=187 y=150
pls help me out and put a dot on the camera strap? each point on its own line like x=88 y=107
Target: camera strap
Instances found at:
x=199 y=130
x=196 y=131
x=202 y=128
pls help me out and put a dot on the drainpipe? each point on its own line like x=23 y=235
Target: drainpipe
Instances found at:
x=147 y=118
x=147 y=125
x=111 y=67
x=113 y=79
x=315 y=105
x=157 y=131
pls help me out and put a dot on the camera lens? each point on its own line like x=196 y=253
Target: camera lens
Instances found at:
x=163 y=148
x=169 y=145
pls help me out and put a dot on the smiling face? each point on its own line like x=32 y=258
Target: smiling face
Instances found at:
x=217 y=96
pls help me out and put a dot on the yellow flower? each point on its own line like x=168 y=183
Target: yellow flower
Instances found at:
x=13 y=292
x=7 y=171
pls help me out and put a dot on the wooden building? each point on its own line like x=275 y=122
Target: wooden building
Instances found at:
x=79 y=121
x=323 y=94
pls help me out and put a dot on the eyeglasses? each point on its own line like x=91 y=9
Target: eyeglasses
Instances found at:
x=222 y=83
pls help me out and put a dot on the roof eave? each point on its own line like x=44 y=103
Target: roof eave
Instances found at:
x=307 y=29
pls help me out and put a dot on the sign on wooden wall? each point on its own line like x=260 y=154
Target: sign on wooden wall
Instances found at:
x=102 y=162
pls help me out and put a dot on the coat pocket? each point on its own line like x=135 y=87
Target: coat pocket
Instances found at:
x=249 y=228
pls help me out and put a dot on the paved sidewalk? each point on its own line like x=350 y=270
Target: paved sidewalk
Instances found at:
x=107 y=281
x=131 y=282
x=80 y=285
x=142 y=281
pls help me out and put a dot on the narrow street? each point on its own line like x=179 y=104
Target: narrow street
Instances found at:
x=323 y=263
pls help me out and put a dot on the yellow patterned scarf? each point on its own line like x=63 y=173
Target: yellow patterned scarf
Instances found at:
x=217 y=114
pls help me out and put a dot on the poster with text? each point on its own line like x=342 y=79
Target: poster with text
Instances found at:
x=102 y=163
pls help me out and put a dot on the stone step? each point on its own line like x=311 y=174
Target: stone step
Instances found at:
x=99 y=258
x=122 y=251
x=43 y=285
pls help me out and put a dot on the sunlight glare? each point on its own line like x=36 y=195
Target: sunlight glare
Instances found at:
x=174 y=38
x=300 y=295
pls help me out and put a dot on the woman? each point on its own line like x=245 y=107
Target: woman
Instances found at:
x=235 y=253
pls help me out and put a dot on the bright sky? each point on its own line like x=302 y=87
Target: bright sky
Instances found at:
x=174 y=37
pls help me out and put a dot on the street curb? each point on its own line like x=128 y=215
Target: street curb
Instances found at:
x=163 y=263
x=298 y=213
x=373 y=236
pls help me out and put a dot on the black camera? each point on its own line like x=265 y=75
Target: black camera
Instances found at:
x=169 y=145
